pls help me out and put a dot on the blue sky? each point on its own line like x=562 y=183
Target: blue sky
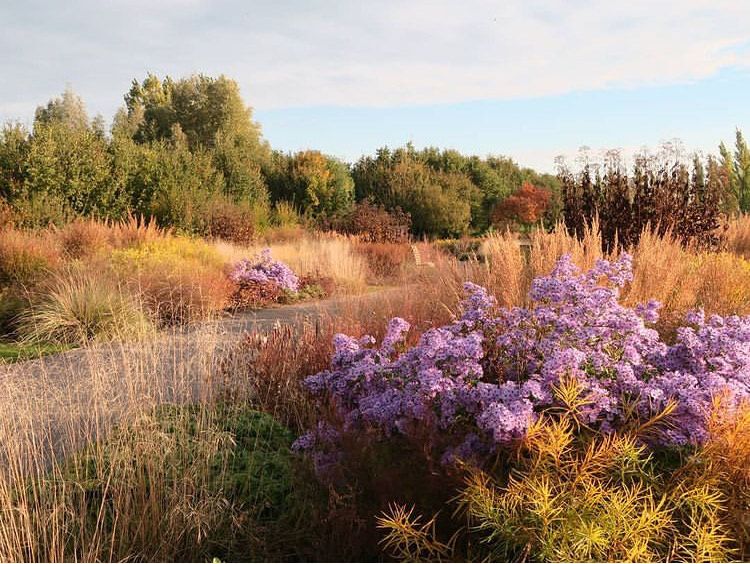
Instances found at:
x=526 y=78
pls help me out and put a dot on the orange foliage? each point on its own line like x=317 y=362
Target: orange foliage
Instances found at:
x=527 y=205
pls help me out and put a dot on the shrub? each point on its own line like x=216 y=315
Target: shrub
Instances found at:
x=80 y=307
x=330 y=256
x=231 y=222
x=264 y=270
x=83 y=238
x=385 y=260
x=262 y=280
x=471 y=389
x=566 y=494
x=374 y=224
x=597 y=500
x=25 y=257
x=463 y=249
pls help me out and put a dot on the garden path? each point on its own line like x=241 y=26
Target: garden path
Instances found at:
x=66 y=399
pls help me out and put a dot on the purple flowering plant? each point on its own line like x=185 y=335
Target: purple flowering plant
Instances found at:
x=473 y=387
x=264 y=270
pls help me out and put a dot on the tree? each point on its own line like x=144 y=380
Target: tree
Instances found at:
x=166 y=180
x=319 y=185
x=742 y=171
x=439 y=202
x=14 y=147
x=67 y=161
x=525 y=207
x=212 y=116
x=661 y=193
x=67 y=110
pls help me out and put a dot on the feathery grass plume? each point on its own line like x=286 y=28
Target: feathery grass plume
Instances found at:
x=737 y=236
x=80 y=306
x=26 y=257
x=507 y=274
x=136 y=231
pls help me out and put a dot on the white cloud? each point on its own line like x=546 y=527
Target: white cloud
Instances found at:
x=367 y=54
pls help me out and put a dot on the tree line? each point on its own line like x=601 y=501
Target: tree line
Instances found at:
x=188 y=153
x=184 y=151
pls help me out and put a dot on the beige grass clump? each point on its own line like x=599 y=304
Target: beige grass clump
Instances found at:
x=78 y=307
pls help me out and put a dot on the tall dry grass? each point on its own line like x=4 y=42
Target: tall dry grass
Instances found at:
x=79 y=306
x=680 y=278
x=96 y=465
x=737 y=236
x=331 y=256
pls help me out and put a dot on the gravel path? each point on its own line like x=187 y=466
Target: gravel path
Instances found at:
x=58 y=402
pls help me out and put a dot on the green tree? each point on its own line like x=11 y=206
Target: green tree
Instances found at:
x=319 y=185
x=439 y=201
x=742 y=171
x=14 y=147
x=211 y=114
x=68 y=110
x=67 y=161
x=166 y=180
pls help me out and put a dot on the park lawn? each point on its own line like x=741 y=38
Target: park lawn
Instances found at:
x=14 y=352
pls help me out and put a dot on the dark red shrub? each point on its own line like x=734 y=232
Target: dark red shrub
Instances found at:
x=231 y=222
x=662 y=192
x=374 y=224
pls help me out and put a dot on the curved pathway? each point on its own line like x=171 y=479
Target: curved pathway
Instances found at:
x=56 y=403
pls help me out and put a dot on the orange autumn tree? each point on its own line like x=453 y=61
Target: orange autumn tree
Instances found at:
x=523 y=208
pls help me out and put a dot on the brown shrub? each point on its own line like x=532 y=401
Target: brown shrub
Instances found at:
x=83 y=238
x=231 y=222
x=254 y=295
x=374 y=224
x=326 y=284
x=26 y=256
x=385 y=261
x=183 y=293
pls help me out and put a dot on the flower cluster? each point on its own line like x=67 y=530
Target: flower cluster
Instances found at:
x=264 y=270
x=475 y=385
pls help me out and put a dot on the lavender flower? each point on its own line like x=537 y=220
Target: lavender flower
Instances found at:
x=474 y=386
x=263 y=270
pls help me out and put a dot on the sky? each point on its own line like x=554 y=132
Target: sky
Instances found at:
x=530 y=79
